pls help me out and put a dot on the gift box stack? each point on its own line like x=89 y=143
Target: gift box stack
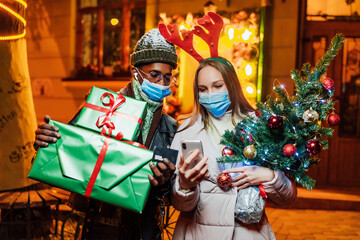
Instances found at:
x=98 y=158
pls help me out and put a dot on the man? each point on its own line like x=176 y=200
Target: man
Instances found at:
x=153 y=61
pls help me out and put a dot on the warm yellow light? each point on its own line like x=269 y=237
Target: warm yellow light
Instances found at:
x=13 y=13
x=248 y=70
x=13 y=37
x=22 y=2
x=246 y=35
x=114 y=21
x=250 y=90
x=182 y=26
x=231 y=32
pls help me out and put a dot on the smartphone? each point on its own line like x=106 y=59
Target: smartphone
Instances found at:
x=187 y=146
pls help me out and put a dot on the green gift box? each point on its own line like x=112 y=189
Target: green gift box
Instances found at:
x=75 y=163
x=106 y=111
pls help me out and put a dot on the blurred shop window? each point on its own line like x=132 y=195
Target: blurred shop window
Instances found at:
x=350 y=89
x=350 y=83
x=328 y=10
x=107 y=31
x=240 y=42
x=319 y=47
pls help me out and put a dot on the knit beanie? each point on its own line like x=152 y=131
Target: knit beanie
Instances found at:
x=153 y=47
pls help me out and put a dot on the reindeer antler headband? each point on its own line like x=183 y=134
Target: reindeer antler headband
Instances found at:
x=212 y=22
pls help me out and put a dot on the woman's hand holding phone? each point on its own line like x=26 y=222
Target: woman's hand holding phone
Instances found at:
x=190 y=176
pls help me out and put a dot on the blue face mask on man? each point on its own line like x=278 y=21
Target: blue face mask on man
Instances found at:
x=154 y=91
x=216 y=103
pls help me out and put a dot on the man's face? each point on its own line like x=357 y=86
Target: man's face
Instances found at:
x=159 y=73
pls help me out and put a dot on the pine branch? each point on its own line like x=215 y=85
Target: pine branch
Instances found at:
x=324 y=61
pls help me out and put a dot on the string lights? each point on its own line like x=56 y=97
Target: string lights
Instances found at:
x=17 y=16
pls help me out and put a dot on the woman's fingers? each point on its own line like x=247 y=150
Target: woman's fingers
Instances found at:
x=191 y=177
x=235 y=170
x=240 y=183
x=243 y=186
x=190 y=158
x=190 y=173
x=239 y=176
x=181 y=161
x=201 y=175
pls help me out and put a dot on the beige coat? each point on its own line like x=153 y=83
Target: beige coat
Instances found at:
x=208 y=212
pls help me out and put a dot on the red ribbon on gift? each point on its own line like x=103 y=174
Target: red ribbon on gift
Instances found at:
x=97 y=167
x=100 y=161
x=104 y=121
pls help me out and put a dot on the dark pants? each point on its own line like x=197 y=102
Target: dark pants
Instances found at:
x=104 y=221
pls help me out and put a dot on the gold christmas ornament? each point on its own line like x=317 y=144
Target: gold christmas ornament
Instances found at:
x=310 y=115
x=250 y=151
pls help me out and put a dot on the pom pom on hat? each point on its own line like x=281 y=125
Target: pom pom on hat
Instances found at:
x=153 y=47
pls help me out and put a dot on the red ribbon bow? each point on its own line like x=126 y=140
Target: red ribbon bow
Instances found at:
x=104 y=121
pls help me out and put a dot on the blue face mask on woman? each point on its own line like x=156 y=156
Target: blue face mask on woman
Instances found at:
x=154 y=91
x=216 y=103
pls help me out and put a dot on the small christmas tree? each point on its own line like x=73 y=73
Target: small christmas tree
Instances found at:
x=288 y=131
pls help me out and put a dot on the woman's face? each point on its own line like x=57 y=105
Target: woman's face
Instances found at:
x=210 y=80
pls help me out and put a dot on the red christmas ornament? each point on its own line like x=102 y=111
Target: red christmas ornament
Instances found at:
x=313 y=147
x=224 y=180
x=257 y=113
x=242 y=132
x=328 y=83
x=227 y=152
x=251 y=139
x=275 y=122
x=289 y=150
x=333 y=119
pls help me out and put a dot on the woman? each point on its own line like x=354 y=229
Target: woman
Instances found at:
x=207 y=211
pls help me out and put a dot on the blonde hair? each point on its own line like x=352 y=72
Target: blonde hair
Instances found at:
x=239 y=104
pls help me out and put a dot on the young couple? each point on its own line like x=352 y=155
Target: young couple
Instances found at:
x=207 y=211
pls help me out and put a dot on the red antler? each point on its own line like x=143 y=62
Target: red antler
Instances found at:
x=214 y=28
x=172 y=34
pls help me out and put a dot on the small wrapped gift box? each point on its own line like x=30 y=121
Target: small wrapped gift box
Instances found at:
x=106 y=111
x=96 y=166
